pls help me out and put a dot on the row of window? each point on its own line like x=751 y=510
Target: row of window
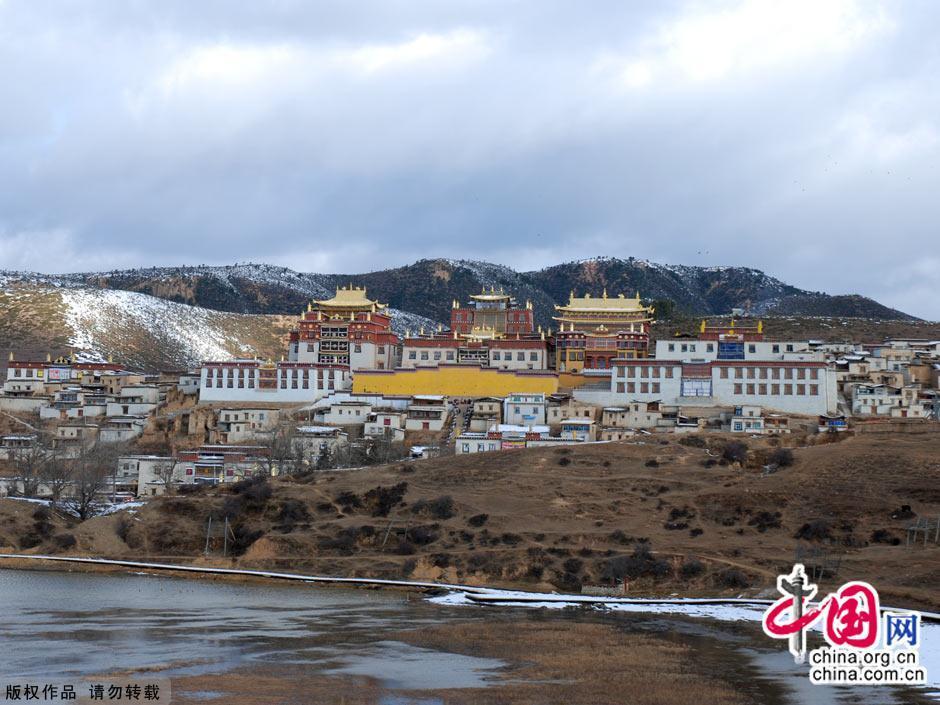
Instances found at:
x=647 y=371
x=776 y=389
x=449 y=355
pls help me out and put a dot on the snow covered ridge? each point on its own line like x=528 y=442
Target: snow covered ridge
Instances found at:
x=95 y=318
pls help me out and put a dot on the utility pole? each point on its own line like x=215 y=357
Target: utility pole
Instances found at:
x=208 y=529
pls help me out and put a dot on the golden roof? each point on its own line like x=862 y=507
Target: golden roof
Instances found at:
x=350 y=297
x=604 y=303
x=492 y=295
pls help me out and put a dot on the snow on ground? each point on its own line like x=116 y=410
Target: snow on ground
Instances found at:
x=93 y=314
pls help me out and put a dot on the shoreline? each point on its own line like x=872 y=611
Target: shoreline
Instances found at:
x=478 y=595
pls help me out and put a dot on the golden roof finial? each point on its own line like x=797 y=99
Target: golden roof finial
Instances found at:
x=605 y=292
x=11 y=355
x=760 y=326
x=701 y=328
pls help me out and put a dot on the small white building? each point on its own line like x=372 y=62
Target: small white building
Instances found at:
x=384 y=423
x=525 y=409
x=427 y=412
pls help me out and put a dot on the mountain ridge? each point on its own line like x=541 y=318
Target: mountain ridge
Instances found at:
x=427 y=287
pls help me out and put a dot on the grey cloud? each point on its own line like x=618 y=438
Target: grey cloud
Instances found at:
x=345 y=136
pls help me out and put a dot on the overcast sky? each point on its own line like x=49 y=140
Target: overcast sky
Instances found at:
x=797 y=137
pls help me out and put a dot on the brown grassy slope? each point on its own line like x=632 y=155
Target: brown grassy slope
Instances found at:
x=557 y=518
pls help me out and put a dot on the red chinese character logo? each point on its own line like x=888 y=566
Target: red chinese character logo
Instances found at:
x=852 y=614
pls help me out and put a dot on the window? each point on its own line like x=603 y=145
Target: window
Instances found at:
x=631 y=388
x=750 y=389
x=357 y=348
x=672 y=347
x=644 y=388
x=775 y=389
x=533 y=356
x=437 y=354
x=412 y=355
x=814 y=390
x=789 y=347
x=424 y=354
x=619 y=387
x=762 y=389
x=655 y=387
x=801 y=389
x=450 y=354
x=710 y=347
x=738 y=389
x=669 y=373
x=752 y=348
x=724 y=372
x=775 y=348
x=496 y=355
x=788 y=389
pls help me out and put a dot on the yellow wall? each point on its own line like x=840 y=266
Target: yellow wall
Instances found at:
x=452 y=381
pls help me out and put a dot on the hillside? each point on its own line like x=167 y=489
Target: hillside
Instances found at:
x=38 y=316
x=559 y=518
x=427 y=287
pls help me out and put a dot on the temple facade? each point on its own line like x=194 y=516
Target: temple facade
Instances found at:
x=594 y=331
x=349 y=330
x=491 y=332
x=492 y=314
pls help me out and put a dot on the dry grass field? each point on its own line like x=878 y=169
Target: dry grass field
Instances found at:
x=663 y=515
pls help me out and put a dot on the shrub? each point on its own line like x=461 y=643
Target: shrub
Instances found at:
x=478 y=520
x=573 y=565
x=347 y=499
x=696 y=532
x=243 y=537
x=440 y=508
x=653 y=463
x=421 y=535
x=690 y=568
x=732 y=578
x=735 y=452
x=693 y=442
x=190 y=489
x=405 y=548
x=765 y=520
x=782 y=457
x=344 y=542
x=380 y=500
x=816 y=530
x=254 y=492
x=641 y=562
x=292 y=512
x=64 y=541
x=564 y=460
x=884 y=536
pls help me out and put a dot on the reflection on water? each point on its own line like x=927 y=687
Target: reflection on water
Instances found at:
x=58 y=625
x=72 y=624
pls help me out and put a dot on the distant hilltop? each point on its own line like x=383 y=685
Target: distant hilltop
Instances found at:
x=427 y=288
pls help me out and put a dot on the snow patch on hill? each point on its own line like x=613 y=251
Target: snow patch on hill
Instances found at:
x=97 y=319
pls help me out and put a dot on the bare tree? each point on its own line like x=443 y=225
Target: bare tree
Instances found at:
x=56 y=473
x=29 y=462
x=284 y=450
x=93 y=469
x=165 y=472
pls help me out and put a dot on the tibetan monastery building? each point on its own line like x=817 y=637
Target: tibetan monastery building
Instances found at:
x=491 y=332
x=491 y=314
x=593 y=331
x=349 y=330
